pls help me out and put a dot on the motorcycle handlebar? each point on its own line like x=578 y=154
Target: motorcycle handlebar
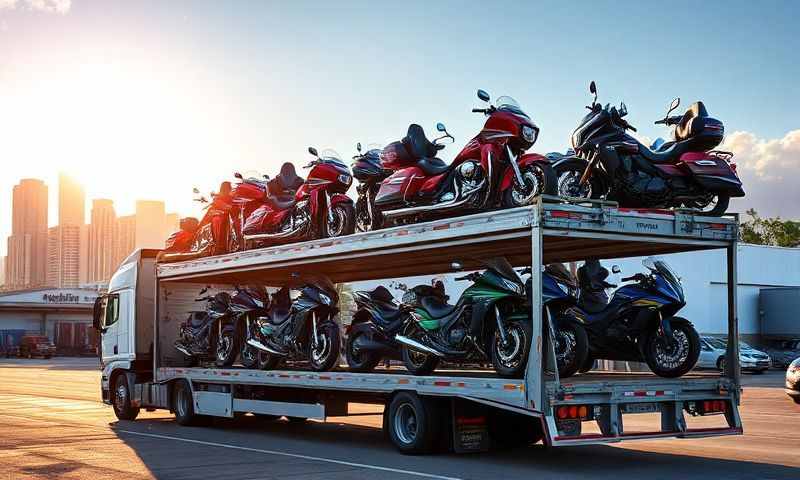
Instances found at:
x=478 y=110
x=638 y=277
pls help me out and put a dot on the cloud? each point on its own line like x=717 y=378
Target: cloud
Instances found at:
x=769 y=169
x=46 y=6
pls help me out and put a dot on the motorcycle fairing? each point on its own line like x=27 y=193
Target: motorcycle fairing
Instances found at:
x=265 y=218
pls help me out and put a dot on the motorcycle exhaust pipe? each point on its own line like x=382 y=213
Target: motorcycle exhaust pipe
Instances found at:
x=418 y=346
x=458 y=201
x=255 y=343
x=280 y=235
x=183 y=350
x=373 y=346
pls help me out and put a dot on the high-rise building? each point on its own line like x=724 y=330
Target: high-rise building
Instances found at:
x=150 y=224
x=71 y=201
x=172 y=224
x=27 y=245
x=83 y=269
x=63 y=256
x=102 y=251
x=126 y=237
x=2 y=271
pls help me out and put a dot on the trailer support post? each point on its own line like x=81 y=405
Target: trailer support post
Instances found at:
x=732 y=367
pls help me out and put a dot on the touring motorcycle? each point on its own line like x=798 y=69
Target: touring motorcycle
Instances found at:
x=318 y=209
x=639 y=322
x=210 y=332
x=409 y=183
x=686 y=172
x=303 y=329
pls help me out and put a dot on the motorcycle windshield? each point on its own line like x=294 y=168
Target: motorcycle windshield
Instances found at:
x=257 y=292
x=331 y=156
x=501 y=266
x=321 y=282
x=508 y=104
x=662 y=268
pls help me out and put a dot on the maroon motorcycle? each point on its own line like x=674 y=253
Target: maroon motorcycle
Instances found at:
x=410 y=184
x=318 y=209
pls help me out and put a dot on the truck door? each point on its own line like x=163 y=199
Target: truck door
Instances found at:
x=108 y=311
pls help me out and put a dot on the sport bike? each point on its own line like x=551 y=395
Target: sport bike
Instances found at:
x=686 y=172
x=318 y=209
x=248 y=304
x=639 y=322
x=484 y=324
x=303 y=329
x=210 y=332
x=492 y=170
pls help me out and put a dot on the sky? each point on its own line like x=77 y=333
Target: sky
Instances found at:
x=147 y=99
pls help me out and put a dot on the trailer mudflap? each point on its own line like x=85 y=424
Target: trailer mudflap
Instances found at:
x=607 y=403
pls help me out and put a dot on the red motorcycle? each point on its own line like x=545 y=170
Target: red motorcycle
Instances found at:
x=492 y=170
x=318 y=209
x=215 y=234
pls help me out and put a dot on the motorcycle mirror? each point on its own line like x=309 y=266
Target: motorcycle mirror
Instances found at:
x=313 y=151
x=456 y=266
x=615 y=269
x=483 y=95
x=358 y=147
x=238 y=175
x=195 y=190
x=676 y=102
x=440 y=127
x=593 y=91
x=623 y=109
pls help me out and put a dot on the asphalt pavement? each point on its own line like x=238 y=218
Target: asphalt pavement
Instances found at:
x=53 y=425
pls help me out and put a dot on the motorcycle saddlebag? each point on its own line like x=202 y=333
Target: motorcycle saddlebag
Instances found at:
x=395 y=156
x=712 y=171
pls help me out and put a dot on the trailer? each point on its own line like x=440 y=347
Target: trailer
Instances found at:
x=464 y=409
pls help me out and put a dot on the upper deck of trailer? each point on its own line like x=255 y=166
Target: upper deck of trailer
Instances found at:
x=570 y=232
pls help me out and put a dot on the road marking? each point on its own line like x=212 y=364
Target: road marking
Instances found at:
x=286 y=454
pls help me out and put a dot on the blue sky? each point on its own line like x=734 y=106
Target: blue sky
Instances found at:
x=224 y=86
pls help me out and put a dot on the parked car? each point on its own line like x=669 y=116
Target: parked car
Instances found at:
x=36 y=346
x=712 y=355
x=783 y=352
x=793 y=380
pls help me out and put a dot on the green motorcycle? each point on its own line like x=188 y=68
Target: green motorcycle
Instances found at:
x=489 y=321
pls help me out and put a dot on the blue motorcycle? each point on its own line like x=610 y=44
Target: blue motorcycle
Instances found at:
x=638 y=323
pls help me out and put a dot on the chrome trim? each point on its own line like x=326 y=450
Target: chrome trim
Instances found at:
x=513 y=160
x=457 y=201
x=255 y=343
x=706 y=163
x=280 y=235
x=417 y=346
x=183 y=350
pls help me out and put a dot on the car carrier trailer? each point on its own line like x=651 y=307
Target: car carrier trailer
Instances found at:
x=466 y=410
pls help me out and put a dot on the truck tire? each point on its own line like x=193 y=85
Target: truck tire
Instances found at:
x=121 y=399
x=183 y=406
x=412 y=424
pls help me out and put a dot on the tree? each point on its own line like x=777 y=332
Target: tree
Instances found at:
x=770 y=231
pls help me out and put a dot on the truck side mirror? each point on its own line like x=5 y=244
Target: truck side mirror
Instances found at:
x=97 y=313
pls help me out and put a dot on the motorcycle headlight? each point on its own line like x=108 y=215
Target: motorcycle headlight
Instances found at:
x=563 y=288
x=345 y=179
x=258 y=303
x=325 y=299
x=528 y=134
x=514 y=287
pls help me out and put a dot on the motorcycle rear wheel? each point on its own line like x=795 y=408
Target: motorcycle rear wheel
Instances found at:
x=663 y=359
x=716 y=207
x=359 y=360
x=417 y=363
x=539 y=180
x=267 y=361
x=572 y=349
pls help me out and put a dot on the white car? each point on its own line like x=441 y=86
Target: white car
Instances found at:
x=712 y=355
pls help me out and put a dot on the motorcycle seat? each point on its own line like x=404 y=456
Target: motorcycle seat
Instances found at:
x=432 y=165
x=282 y=202
x=417 y=144
x=692 y=121
x=381 y=294
x=436 y=307
x=670 y=152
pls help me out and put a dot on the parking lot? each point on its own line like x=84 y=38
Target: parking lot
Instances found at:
x=52 y=424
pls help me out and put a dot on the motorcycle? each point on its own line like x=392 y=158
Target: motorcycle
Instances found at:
x=609 y=163
x=411 y=184
x=303 y=329
x=639 y=322
x=559 y=294
x=369 y=172
x=209 y=333
x=485 y=323
x=318 y=209
x=247 y=304
x=377 y=320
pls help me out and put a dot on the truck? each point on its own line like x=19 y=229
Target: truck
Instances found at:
x=462 y=409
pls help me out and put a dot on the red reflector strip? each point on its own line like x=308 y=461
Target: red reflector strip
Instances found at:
x=441 y=383
x=471 y=421
x=717 y=226
x=648 y=393
x=442 y=227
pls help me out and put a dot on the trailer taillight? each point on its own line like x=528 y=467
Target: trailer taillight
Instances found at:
x=572 y=412
x=707 y=407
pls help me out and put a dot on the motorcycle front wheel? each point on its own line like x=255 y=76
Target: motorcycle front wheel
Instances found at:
x=510 y=359
x=325 y=355
x=572 y=348
x=672 y=358
x=227 y=348
x=340 y=221
x=539 y=179
x=568 y=176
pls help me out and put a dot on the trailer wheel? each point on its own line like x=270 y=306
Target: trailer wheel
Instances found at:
x=412 y=423
x=121 y=396
x=183 y=405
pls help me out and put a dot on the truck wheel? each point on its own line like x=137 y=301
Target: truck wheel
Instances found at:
x=412 y=423
x=183 y=405
x=122 y=399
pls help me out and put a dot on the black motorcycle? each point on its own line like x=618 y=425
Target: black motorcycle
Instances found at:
x=303 y=329
x=609 y=163
x=638 y=323
x=367 y=169
x=210 y=332
x=487 y=322
x=248 y=304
